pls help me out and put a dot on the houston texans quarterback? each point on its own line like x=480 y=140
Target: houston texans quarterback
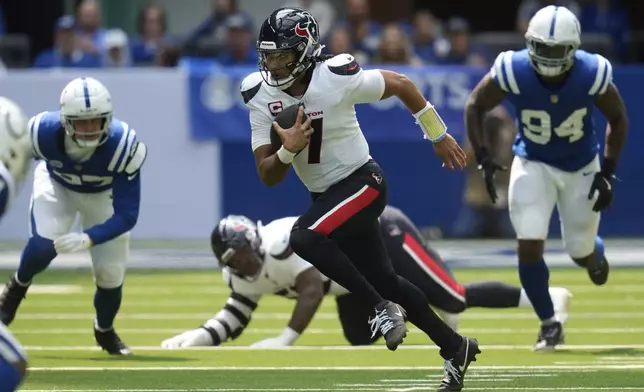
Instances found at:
x=90 y=164
x=15 y=157
x=339 y=233
x=554 y=88
x=258 y=261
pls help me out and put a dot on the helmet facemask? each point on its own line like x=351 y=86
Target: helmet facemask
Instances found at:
x=238 y=246
x=245 y=262
x=550 y=59
x=281 y=67
x=88 y=132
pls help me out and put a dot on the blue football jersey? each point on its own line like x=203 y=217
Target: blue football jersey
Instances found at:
x=114 y=165
x=93 y=175
x=555 y=124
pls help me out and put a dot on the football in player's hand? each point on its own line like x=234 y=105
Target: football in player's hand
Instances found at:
x=286 y=119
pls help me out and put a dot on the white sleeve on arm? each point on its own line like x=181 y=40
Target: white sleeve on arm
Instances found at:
x=230 y=322
x=260 y=125
x=366 y=86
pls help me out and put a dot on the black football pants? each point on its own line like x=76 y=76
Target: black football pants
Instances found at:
x=340 y=235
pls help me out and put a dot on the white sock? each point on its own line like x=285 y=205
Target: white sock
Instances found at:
x=101 y=329
x=524 y=301
x=20 y=283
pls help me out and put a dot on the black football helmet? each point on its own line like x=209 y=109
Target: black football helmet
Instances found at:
x=291 y=34
x=236 y=242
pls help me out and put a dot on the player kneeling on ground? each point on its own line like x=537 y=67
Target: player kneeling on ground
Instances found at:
x=91 y=165
x=15 y=156
x=258 y=261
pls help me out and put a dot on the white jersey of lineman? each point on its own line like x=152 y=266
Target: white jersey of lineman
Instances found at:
x=337 y=146
x=278 y=275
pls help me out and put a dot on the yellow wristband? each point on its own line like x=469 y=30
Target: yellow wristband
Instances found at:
x=431 y=123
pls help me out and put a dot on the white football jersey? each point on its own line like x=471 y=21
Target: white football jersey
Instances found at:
x=281 y=266
x=337 y=146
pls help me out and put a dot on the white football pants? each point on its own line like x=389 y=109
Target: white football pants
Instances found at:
x=53 y=211
x=536 y=187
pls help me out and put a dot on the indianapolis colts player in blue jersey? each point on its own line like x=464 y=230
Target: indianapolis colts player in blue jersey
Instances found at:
x=90 y=165
x=554 y=88
x=15 y=156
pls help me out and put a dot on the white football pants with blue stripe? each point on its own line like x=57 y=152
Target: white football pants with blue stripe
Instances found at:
x=53 y=212
x=535 y=189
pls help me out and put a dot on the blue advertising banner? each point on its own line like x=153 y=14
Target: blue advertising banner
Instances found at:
x=217 y=109
x=429 y=194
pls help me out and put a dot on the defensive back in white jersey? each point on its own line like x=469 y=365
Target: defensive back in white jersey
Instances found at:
x=337 y=146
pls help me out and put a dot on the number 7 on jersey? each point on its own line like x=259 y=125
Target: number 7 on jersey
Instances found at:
x=315 y=144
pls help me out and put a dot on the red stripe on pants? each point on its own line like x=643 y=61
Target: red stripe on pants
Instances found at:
x=420 y=252
x=345 y=210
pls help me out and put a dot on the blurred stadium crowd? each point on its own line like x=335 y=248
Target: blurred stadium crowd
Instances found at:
x=228 y=35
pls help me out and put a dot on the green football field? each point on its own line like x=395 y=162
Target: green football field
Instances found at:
x=604 y=351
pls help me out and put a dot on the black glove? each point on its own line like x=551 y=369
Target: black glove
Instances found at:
x=603 y=184
x=488 y=167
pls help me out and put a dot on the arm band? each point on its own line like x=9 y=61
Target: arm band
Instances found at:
x=431 y=123
x=285 y=156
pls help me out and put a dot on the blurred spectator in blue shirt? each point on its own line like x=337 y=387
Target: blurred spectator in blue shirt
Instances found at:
x=240 y=46
x=365 y=33
x=339 y=42
x=91 y=34
x=117 y=49
x=429 y=45
x=461 y=52
x=152 y=27
x=214 y=29
x=65 y=52
x=609 y=17
x=528 y=8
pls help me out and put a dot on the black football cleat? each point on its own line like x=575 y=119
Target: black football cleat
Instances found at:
x=390 y=321
x=10 y=300
x=111 y=342
x=455 y=368
x=549 y=337
x=598 y=272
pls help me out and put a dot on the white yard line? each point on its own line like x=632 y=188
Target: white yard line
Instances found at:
x=474 y=369
x=339 y=348
x=508 y=315
x=320 y=331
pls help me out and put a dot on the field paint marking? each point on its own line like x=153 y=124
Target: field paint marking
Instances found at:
x=319 y=331
x=533 y=389
x=205 y=390
x=52 y=289
x=201 y=304
x=389 y=389
x=334 y=348
x=323 y=316
x=321 y=368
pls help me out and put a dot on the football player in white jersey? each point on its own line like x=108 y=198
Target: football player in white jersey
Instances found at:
x=554 y=87
x=15 y=156
x=257 y=261
x=339 y=234
x=90 y=165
